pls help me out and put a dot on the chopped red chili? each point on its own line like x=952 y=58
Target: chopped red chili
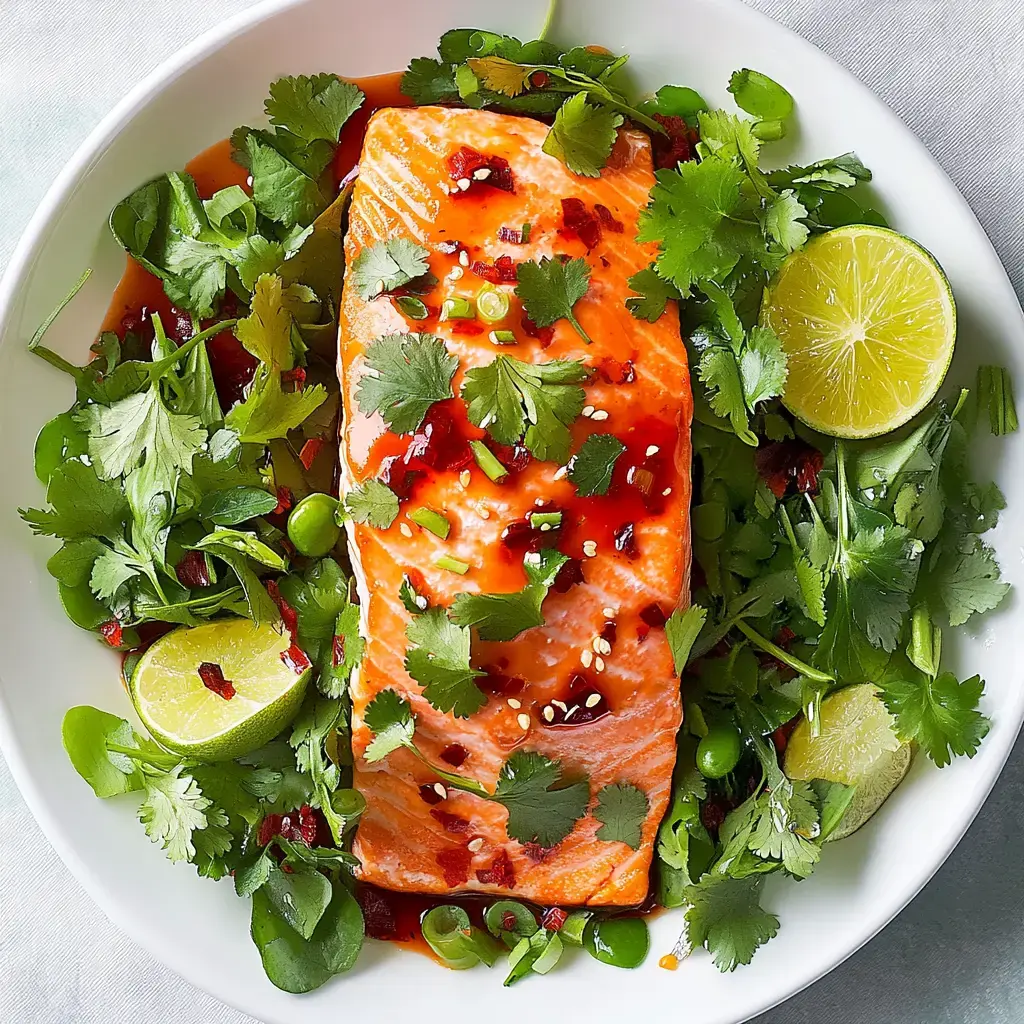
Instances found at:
x=782 y=463
x=675 y=147
x=536 y=852
x=625 y=540
x=295 y=658
x=568 y=576
x=338 y=650
x=438 y=444
x=309 y=451
x=112 y=632
x=554 y=919
x=514 y=236
x=502 y=271
x=454 y=754
x=465 y=327
x=450 y=822
x=193 y=570
x=429 y=795
x=617 y=373
x=501 y=872
x=607 y=219
x=609 y=632
x=539 y=79
x=213 y=679
x=653 y=615
x=288 y=615
x=545 y=335
x=396 y=475
x=284 y=501
x=454 y=865
x=501 y=685
x=469 y=165
x=296 y=376
x=301 y=826
x=579 y=222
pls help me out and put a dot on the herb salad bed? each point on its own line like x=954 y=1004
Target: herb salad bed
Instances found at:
x=818 y=563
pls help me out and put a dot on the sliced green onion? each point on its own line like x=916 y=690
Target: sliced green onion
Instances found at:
x=502 y=337
x=452 y=564
x=492 y=304
x=549 y=955
x=540 y=520
x=432 y=521
x=575 y=924
x=524 y=924
x=525 y=233
x=412 y=307
x=488 y=461
x=457 y=308
x=450 y=935
x=768 y=131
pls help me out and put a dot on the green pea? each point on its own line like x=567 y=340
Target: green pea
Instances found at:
x=619 y=941
x=59 y=440
x=719 y=751
x=312 y=527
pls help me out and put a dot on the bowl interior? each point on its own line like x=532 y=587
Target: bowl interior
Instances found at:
x=200 y=929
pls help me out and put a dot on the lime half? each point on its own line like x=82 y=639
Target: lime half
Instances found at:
x=856 y=746
x=220 y=690
x=867 y=320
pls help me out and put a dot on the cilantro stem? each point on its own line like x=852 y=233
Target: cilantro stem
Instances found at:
x=55 y=360
x=798 y=666
x=453 y=780
x=843 y=532
x=36 y=338
x=549 y=18
x=159 y=368
x=571 y=317
x=165 y=762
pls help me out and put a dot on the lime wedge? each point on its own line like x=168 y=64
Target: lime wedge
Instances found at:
x=244 y=696
x=867 y=321
x=856 y=746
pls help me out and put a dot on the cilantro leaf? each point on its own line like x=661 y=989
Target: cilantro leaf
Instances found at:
x=282 y=190
x=140 y=427
x=312 y=107
x=374 y=503
x=387 y=265
x=622 y=808
x=539 y=809
x=115 y=567
x=760 y=95
x=505 y=616
x=389 y=717
x=439 y=662
x=725 y=916
x=173 y=809
x=346 y=653
x=82 y=505
x=429 y=81
x=965 y=580
x=501 y=75
x=784 y=820
x=406 y=374
x=783 y=221
x=762 y=365
x=583 y=135
x=551 y=288
x=510 y=398
x=591 y=467
x=720 y=373
x=939 y=713
x=691 y=216
x=653 y=294
x=86 y=733
x=681 y=630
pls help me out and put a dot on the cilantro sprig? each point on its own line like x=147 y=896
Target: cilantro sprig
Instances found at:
x=534 y=401
x=550 y=288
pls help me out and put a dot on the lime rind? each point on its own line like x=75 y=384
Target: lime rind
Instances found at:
x=868 y=322
x=874 y=789
x=186 y=717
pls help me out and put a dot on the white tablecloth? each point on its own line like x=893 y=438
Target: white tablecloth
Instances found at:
x=953 y=70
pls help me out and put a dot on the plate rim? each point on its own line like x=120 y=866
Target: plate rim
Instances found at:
x=22 y=262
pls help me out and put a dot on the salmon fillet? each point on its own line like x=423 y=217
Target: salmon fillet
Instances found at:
x=408 y=839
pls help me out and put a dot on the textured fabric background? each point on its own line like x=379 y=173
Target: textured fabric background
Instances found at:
x=953 y=70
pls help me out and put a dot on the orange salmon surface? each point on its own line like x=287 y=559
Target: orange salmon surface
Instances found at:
x=593 y=687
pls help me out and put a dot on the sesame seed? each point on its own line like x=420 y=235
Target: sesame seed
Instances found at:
x=463 y=258
x=483 y=513
x=463 y=184
x=464 y=478
x=572 y=711
x=532 y=558
x=558 y=704
x=539 y=502
x=405 y=529
x=455 y=274
x=600 y=415
x=482 y=173
x=454 y=190
x=593 y=700
x=248 y=181
x=596 y=644
x=599 y=664
x=524 y=721
x=608 y=613
x=560 y=472
x=586 y=657
x=652 y=449
x=665 y=493
x=545 y=527
x=475 y=845
x=588 y=411
x=590 y=548
x=440 y=791
x=549 y=714
x=421 y=601
x=379 y=287
x=604 y=647
x=514 y=704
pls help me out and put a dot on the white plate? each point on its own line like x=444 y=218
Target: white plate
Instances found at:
x=201 y=929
